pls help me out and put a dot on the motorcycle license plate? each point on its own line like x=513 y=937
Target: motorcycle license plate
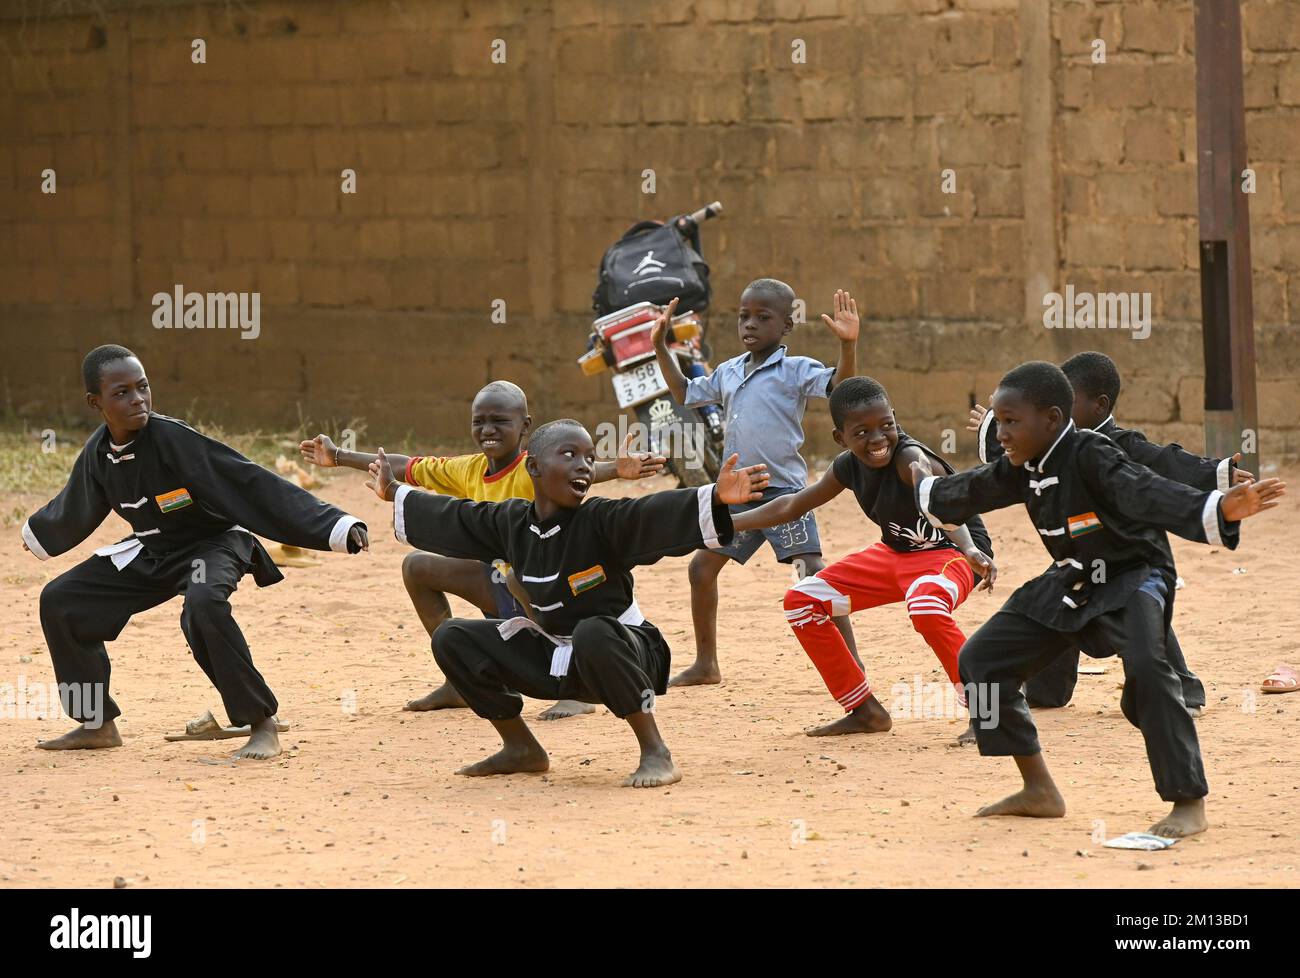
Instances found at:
x=641 y=383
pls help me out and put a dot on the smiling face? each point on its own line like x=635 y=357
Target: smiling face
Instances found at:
x=763 y=319
x=1025 y=430
x=124 y=397
x=870 y=432
x=498 y=422
x=561 y=467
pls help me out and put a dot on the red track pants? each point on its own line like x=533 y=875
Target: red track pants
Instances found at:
x=931 y=582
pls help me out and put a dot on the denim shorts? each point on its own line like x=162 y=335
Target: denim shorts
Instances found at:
x=798 y=538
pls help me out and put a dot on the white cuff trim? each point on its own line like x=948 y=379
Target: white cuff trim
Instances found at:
x=1224 y=473
x=708 y=531
x=984 y=434
x=33 y=544
x=339 y=535
x=399 y=513
x=923 y=497
x=1210 y=518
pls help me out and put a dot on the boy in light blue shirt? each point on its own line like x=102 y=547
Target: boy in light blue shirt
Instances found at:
x=763 y=394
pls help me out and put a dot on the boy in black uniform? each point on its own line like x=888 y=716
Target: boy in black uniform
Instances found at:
x=932 y=571
x=194 y=505
x=1111 y=590
x=1096 y=384
x=590 y=641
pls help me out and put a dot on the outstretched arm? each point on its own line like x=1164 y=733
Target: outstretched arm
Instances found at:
x=323 y=452
x=629 y=464
x=783 y=509
x=913 y=465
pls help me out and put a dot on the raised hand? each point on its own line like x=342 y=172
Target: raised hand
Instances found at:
x=1251 y=498
x=845 y=323
x=320 y=451
x=1240 y=477
x=976 y=417
x=659 y=332
x=381 y=480
x=637 y=465
x=745 y=485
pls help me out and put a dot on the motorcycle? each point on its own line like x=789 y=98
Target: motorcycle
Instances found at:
x=619 y=341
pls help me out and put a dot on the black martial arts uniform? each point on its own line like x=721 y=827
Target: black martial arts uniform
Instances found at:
x=591 y=642
x=1101 y=516
x=1054 y=684
x=193 y=504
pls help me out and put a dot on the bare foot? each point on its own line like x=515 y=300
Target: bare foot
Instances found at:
x=565 y=708
x=263 y=744
x=1186 y=818
x=444 y=697
x=867 y=717
x=509 y=760
x=967 y=736
x=654 y=771
x=83 y=738
x=697 y=675
x=1195 y=712
x=1028 y=803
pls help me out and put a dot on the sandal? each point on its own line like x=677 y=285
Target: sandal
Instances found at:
x=1285 y=679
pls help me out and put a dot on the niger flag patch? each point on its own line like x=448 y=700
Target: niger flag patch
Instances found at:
x=586 y=580
x=1084 y=523
x=176 y=499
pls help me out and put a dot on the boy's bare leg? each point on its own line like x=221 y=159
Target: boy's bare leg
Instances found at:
x=869 y=716
x=1186 y=818
x=703 y=575
x=656 y=767
x=263 y=744
x=520 y=752
x=85 y=738
x=1037 y=799
x=967 y=736
x=427 y=577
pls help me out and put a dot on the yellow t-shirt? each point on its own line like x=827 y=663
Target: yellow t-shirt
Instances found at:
x=466 y=476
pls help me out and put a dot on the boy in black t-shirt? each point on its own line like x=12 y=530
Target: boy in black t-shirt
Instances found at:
x=932 y=571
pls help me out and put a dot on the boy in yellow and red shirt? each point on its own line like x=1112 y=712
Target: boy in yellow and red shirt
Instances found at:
x=499 y=423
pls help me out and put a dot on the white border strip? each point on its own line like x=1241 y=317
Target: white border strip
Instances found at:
x=33 y=544
x=1223 y=475
x=399 y=513
x=708 y=531
x=1210 y=518
x=339 y=535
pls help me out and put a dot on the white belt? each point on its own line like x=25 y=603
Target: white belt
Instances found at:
x=563 y=653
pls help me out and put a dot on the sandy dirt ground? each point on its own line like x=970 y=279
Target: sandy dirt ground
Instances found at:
x=368 y=798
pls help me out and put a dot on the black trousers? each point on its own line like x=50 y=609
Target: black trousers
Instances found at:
x=1054 y=684
x=91 y=604
x=1009 y=648
x=614 y=664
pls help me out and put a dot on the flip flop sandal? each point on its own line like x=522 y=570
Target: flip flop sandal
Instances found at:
x=1288 y=680
x=206 y=727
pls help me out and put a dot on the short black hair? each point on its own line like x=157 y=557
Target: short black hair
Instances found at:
x=92 y=368
x=544 y=436
x=854 y=393
x=1093 y=373
x=1042 y=384
x=774 y=287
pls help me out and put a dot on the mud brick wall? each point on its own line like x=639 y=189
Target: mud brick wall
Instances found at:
x=480 y=181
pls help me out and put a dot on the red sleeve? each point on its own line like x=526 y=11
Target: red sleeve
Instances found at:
x=406 y=476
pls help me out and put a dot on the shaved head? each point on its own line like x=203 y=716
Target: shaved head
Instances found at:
x=505 y=391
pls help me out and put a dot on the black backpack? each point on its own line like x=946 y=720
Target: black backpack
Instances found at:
x=652 y=262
